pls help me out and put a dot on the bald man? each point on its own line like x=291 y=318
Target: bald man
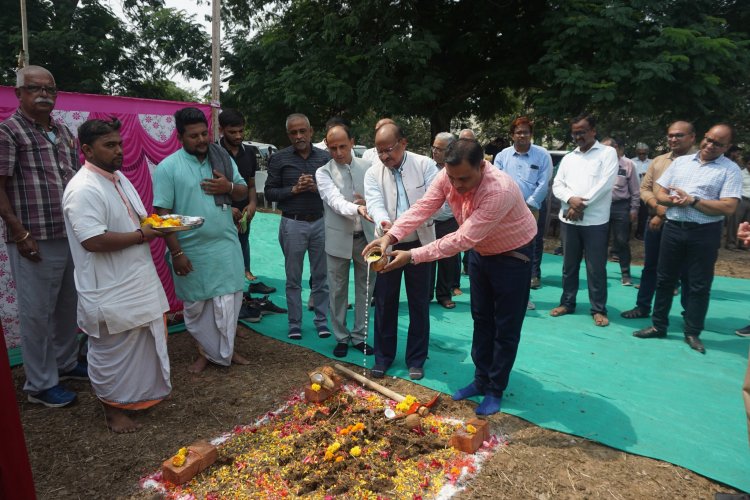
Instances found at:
x=371 y=154
x=394 y=182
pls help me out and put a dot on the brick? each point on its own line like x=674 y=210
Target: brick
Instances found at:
x=470 y=443
x=201 y=455
x=317 y=396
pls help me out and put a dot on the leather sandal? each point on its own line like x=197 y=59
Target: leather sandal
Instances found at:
x=447 y=303
x=560 y=311
x=635 y=313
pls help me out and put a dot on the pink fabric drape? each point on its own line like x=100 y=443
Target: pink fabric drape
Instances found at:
x=148 y=135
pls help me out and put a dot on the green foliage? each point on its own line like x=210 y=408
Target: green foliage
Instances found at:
x=641 y=64
x=89 y=49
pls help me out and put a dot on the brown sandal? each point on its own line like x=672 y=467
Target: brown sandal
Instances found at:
x=600 y=319
x=559 y=311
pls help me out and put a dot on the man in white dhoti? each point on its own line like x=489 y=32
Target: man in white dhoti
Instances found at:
x=201 y=179
x=121 y=302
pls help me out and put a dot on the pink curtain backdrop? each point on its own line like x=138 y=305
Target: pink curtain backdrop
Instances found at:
x=148 y=134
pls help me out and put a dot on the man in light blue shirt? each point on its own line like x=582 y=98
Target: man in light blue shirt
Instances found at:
x=396 y=180
x=531 y=167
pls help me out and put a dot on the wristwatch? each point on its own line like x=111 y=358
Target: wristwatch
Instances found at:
x=695 y=201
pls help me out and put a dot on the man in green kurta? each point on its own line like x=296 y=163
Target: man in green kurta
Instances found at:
x=206 y=263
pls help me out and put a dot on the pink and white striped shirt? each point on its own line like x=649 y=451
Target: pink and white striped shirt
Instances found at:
x=493 y=217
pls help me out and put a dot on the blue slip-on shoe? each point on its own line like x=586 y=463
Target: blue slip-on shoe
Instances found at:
x=469 y=391
x=54 y=397
x=489 y=405
x=79 y=372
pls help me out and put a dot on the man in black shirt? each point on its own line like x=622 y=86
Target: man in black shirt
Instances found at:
x=291 y=184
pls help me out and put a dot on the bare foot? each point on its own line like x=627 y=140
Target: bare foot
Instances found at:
x=559 y=311
x=118 y=421
x=198 y=365
x=250 y=276
x=238 y=359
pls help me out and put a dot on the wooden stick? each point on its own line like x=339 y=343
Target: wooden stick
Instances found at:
x=369 y=383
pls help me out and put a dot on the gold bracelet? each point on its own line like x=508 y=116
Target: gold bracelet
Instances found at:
x=22 y=238
x=178 y=254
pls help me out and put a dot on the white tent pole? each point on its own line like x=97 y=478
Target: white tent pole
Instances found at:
x=24 y=37
x=215 y=66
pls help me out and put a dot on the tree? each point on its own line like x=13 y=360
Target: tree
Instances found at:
x=89 y=49
x=435 y=59
x=641 y=64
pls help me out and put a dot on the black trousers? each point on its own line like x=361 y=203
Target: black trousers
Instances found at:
x=589 y=242
x=693 y=248
x=448 y=269
x=387 y=293
x=536 y=260
x=619 y=224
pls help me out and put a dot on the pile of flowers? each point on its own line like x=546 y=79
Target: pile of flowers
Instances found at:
x=344 y=447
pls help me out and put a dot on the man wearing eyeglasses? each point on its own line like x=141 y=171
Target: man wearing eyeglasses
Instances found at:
x=583 y=185
x=449 y=268
x=531 y=167
x=699 y=191
x=396 y=180
x=37 y=159
x=681 y=139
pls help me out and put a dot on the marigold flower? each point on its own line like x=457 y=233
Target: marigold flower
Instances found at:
x=356 y=451
x=315 y=387
x=471 y=429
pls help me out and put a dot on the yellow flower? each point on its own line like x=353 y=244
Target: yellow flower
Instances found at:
x=356 y=451
x=339 y=459
x=179 y=459
x=406 y=403
x=471 y=429
x=315 y=387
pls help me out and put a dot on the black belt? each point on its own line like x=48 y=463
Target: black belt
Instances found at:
x=684 y=224
x=302 y=217
x=358 y=234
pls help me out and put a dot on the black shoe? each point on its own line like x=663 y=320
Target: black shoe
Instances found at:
x=249 y=313
x=743 y=332
x=364 y=348
x=635 y=313
x=649 y=332
x=341 y=349
x=695 y=343
x=378 y=371
x=260 y=288
x=265 y=306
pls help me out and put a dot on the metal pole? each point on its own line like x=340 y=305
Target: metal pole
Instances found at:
x=215 y=67
x=24 y=35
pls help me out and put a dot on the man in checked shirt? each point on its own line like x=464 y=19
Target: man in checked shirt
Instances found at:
x=37 y=159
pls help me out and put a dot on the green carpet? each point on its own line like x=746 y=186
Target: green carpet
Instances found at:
x=656 y=397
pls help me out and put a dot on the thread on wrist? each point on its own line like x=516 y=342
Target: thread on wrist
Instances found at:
x=143 y=236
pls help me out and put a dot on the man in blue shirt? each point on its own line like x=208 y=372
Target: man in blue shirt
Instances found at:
x=699 y=191
x=531 y=167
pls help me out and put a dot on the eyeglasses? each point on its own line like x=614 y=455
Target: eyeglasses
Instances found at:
x=522 y=132
x=436 y=149
x=38 y=89
x=715 y=143
x=580 y=133
x=387 y=151
x=679 y=135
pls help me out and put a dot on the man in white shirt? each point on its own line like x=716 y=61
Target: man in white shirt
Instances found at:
x=583 y=185
x=394 y=182
x=348 y=228
x=121 y=302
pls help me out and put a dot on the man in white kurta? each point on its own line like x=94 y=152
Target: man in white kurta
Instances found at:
x=121 y=302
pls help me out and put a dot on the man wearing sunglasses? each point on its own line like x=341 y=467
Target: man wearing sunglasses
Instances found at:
x=699 y=191
x=37 y=159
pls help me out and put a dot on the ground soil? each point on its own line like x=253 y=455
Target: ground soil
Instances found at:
x=73 y=455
